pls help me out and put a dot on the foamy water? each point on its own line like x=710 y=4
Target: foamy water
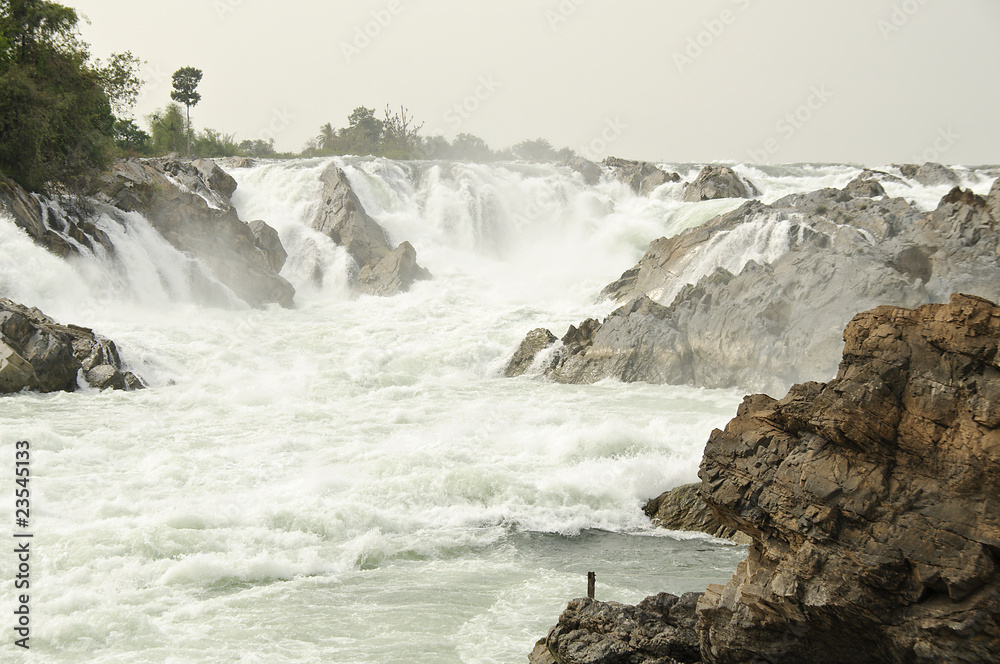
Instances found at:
x=352 y=481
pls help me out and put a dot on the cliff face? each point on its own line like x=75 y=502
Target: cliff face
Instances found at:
x=873 y=501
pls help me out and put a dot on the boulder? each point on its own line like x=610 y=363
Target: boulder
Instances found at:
x=872 y=501
x=930 y=174
x=342 y=218
x=267 y=240
x=864 y=187
x=658 y=630
x=535 y=342
x=38 y=354
x=394 y=273
x=182 y=203
x=590 y=171
x=642 y=176
x=719 y=182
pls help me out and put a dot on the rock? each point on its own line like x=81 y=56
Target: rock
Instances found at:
x=63 y=230
x=535 y=342
x=719 y=182
x=186 y=209
x=683 y=508
x=872 y=501
x=590 y=171
x=267 y=240
x=217 y=179
x=767 y=324
x=659 y=630
x=930 y=174
x=642 y=176
x=864 y=187
x=342 y=218
x=392 y=274
x=38 y=354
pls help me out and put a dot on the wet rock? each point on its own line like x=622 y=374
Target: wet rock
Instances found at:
x=872 y=501
x=930 y=174
x=185 y=207
x=642 y=176
x=719 y=182
x=535 y=342
x=590 y=171
x=268 y=241
x=38 y=354
x=864 y=187
x=769 y=325
x=394 y=273
x=684 y=508
x=658 y=630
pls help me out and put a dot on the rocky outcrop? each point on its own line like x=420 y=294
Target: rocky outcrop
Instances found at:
x=382 y=270
x=930 y=174
x=267 y=240
x=873 y=507
x=188 y=204
x=684 y=508
x=536 y=341
x=394 y=273
x=719 y=182
x=642 y=176
x=864 y=186
x=873 y=501
x=64 y=232
x=767 y=324
x=590 y=171
x=38 y=354
x=659 y=630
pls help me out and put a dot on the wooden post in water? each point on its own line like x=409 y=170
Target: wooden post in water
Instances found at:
x=591 y=583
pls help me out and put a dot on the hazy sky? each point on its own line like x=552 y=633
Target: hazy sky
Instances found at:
x=860 y=81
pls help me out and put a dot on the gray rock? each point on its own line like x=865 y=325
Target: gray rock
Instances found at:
x=772 y=325
x=217 y=179
x=36 y=353
x=536 y=341
x=864 y=187
x=719 y=182
x=590 y=171
x=930 y=174
x=196 y=218
x=642 y=176
x=394 y=273
x=268 y=241
x=659 y=630
x=342 y=218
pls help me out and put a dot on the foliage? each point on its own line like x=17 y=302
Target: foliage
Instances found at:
x=57 y=120
x=186 y=80
x=168 y=129
x=120 y=78
x=131 y=140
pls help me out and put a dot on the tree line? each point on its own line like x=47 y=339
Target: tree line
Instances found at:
x=64 y=116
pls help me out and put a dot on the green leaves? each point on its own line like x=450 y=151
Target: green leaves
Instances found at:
x=186 y=80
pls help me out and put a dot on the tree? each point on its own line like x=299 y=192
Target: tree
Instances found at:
x=364 y=135
x=538 y=149
x=400 y=137
x=56 y=119
x=167 y=129
x=473 y=148
x=186 y=80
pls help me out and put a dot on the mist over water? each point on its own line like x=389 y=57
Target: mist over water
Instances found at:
x=352 y=480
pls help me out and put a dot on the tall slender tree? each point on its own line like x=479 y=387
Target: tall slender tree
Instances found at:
x=186 y=80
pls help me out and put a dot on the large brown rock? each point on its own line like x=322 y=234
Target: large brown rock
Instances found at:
x=38 y=354
x=684 y=508
x=873 y=501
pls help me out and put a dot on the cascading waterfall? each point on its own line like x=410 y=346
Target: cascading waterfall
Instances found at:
x=351 y=480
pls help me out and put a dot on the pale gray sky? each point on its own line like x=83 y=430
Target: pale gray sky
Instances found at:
x=860 y=81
